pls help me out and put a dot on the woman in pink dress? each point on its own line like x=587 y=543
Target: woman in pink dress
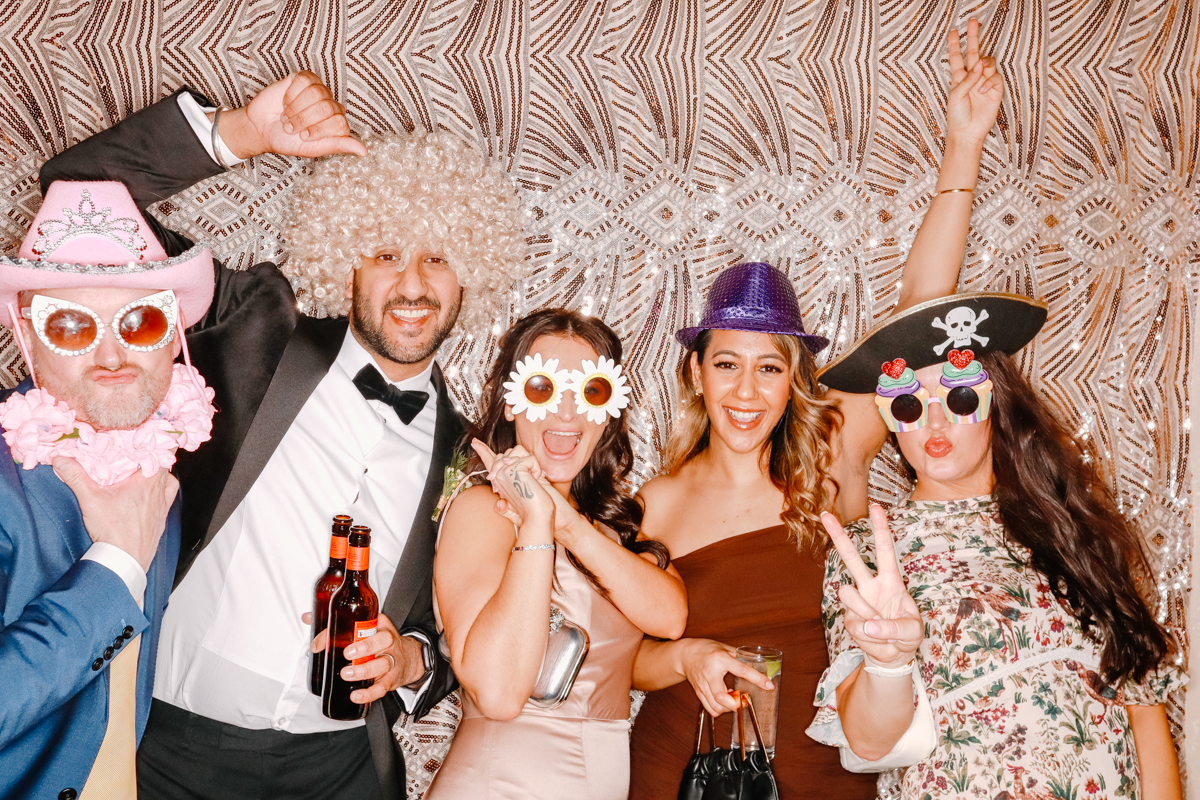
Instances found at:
x=554 y=536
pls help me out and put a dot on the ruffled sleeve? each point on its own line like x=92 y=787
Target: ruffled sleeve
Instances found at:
x=1154 y=688
x=844 y=657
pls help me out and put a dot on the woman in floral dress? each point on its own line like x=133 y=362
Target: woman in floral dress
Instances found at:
x=1008 y=598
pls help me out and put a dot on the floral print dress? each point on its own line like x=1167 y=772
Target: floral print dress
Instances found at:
x=1020 y=710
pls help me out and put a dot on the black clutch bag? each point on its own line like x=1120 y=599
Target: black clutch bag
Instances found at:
x=722 y=774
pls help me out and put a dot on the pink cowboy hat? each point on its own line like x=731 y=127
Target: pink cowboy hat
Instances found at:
x=91 y=234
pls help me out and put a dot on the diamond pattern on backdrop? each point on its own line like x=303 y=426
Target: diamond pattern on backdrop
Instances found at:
x=656 y=143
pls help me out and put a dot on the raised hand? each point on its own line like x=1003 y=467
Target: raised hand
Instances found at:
x=881 y=616
x=514 y=475
x=296 y=116
x=976 y=89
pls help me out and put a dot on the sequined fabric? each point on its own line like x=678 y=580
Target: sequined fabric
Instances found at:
x=659 y=142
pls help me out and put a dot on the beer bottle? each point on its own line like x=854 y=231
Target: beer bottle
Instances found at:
x=353 y=615
x=327 y=584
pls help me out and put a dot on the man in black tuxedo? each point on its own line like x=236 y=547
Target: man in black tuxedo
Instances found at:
x=317 y=417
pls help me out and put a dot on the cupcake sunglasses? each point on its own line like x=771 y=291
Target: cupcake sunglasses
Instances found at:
x=961 y=405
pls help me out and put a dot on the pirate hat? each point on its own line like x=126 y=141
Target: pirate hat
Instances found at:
x=983 y=322
x=91 y=234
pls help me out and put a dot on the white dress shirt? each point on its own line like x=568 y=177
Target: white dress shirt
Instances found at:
x=233 y=647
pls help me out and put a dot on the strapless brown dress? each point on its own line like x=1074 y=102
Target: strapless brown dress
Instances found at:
x=751 y=589
x=578 y=751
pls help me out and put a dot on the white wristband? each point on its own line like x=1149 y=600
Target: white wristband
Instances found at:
x=878 y=670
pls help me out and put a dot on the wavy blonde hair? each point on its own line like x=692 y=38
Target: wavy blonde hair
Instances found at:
x=421 y=189
x=798 y=454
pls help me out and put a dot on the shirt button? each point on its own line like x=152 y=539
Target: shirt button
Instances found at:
x=96 y=665
x=128 y=632
x=67 y=794
x=108 y=653
x=282 y=722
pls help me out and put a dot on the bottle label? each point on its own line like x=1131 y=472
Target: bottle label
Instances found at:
x=361 y=631
x=338 y=545
x=357 y=558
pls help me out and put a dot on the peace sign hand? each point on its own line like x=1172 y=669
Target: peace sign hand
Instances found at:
x=976 y=89
x=881 y=616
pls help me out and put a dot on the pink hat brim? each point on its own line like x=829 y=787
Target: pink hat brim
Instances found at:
x=189 y=275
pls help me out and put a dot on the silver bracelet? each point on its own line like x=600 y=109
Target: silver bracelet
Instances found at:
x=881 y=671
x=216 y=140
x=519 y=548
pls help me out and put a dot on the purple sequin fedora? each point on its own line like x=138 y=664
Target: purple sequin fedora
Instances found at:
x=753 y=297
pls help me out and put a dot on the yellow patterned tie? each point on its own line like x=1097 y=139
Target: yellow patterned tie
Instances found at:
x=114 y=775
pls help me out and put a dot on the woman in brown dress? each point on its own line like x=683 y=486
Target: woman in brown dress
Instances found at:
x=758 y=454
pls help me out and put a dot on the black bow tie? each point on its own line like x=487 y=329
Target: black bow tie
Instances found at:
x=373 y=387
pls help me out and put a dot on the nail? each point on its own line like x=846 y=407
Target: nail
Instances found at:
x=870 y=629
x=287 y=126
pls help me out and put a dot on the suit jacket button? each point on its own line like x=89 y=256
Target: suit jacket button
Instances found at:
x=117 y=642
x=96 y=665
x=108 y=653
x=67 y=794
x=128 y=632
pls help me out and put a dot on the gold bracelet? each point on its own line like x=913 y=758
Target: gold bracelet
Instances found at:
x=951 y=191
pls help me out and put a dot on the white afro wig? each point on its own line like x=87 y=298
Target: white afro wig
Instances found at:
x=423 y=189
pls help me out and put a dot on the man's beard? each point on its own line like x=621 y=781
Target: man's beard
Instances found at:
x=405 y=348
x=119 y=410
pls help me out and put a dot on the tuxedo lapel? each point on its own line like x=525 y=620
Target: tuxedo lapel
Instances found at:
x=415 y=571
x=309 y=354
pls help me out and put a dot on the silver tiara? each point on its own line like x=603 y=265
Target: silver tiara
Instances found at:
x=87 y=221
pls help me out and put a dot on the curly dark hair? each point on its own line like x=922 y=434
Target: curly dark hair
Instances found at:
x=1053 y=500
x=600 y=490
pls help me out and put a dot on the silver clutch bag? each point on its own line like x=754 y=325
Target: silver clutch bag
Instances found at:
x=566 y=648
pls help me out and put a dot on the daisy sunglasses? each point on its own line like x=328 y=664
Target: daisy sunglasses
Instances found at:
x=535 y=388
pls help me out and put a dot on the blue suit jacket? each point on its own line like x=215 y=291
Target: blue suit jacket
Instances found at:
x=59 y=617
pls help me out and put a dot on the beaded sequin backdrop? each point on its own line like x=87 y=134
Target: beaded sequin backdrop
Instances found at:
x=658 y=141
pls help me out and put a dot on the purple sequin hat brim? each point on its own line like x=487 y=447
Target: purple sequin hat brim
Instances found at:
x=755 y=297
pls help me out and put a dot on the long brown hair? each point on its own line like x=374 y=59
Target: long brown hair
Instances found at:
x=1053 y=500
x=798 y=454
x=600 y=489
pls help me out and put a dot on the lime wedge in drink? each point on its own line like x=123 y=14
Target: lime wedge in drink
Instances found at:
x=773 y=668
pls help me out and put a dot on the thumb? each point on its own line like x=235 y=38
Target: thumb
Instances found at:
x=69 y=472
x=905 y=629
x=337 y=144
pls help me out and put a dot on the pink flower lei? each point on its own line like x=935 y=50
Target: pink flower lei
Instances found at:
x=38 y=428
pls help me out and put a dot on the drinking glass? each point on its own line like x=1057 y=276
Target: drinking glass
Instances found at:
x=769 y=662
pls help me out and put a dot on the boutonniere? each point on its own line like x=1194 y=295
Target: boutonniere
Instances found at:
x=454 y=476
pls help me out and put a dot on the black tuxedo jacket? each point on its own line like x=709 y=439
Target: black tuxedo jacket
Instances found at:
x=263 y=359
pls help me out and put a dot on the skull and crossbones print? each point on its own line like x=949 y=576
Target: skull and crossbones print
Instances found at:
x=960 y=325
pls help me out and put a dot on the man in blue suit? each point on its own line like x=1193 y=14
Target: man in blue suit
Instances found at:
x=89 y=514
